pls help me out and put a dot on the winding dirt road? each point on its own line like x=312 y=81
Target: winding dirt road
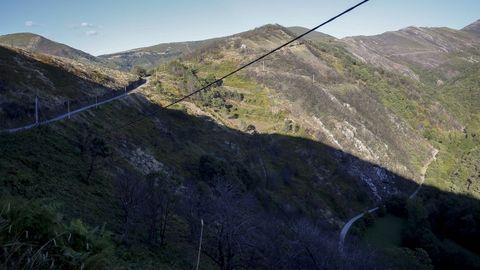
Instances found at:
x=66 y=115
x=349 y=223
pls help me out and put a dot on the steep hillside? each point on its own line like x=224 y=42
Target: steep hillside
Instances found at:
x=445 y=62
x=55 y=80
x=325 y=91
x=344 y=108
x=39 y=44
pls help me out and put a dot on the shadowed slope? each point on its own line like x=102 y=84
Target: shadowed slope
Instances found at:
x=55 y=80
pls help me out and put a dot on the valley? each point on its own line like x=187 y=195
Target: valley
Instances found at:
x=275 y=159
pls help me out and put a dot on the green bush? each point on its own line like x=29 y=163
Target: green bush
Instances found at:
x=33 y=237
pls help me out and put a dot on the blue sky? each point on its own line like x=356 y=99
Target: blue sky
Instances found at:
x=106 y=26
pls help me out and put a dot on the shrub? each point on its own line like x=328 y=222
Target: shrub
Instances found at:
x=33 y=237
x=137 y=70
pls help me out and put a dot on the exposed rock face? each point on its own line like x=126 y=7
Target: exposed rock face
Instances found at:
x=147 y=163
x=381 y=182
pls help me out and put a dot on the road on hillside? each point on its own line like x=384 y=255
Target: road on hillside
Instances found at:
x=348 y=225
x=67 y=115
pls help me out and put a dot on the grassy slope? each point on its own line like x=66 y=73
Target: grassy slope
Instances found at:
x=55 y=80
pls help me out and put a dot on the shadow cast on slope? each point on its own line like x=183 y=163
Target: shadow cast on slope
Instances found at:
x=291 y=177
x=23 y=78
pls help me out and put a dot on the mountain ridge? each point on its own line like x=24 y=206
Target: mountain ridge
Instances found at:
x=473 y=27
x=37 y=43
x=150 y=56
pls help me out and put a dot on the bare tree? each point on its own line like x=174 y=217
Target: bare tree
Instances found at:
x=157 y=206
x=239 y=235
x=91 y=148
x=192 y=206
x=271 y=244
x=230 y=220
x=84 y=136
x=129 y=194
x=97 y=149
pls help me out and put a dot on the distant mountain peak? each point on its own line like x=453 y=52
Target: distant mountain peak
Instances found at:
x=473 y=27
x=37 y=43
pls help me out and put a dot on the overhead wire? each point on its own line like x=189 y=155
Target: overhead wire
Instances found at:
x=148 y=114
x=217 y=81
